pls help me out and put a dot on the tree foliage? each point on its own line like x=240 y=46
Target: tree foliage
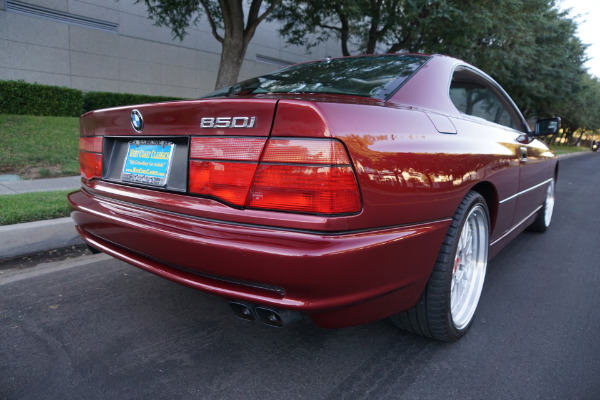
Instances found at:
x=229 y=25
x=529 y=46
x=362 y=26
x=581 y=111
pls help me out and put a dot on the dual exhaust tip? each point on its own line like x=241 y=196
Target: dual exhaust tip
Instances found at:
x=269 y=316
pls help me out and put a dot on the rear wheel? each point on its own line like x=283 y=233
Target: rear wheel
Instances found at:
x=544 y=217
x=448 y=303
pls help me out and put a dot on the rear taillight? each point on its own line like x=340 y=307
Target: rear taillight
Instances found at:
x=228 y=181
x=227 y=148
x=305 y=175
x=90 y=157
x=224 y=167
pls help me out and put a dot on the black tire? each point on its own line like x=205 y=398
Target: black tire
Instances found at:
x=544 y=217
x=434 y=315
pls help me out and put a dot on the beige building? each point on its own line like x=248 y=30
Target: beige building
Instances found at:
x=108 y=45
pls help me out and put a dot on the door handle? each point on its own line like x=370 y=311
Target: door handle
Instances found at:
x=523 y=151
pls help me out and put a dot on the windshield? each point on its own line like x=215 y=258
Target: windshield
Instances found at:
x=368 y=76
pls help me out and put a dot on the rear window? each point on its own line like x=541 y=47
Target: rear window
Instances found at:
x=369 y=76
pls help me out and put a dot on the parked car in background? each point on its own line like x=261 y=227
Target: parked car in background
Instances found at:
x=346 y=190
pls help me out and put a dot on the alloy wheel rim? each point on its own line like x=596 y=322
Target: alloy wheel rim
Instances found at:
x=470 y=263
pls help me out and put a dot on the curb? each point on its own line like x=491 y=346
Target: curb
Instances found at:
x=31 y=237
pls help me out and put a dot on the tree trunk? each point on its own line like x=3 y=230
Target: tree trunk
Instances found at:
x=372 y=35
x=232 y=57
x=238 y=34
x=550 y=140
x=568 y=136
x=344 y=30
x=578 y=141
x=345 y=37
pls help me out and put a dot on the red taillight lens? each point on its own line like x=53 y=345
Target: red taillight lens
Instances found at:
x=305 y=151
x=226 y=148
x=229 y=181
x=91 y=144
x=312 y=189
x=90 y=157
x=223 y=167
x=304 y=175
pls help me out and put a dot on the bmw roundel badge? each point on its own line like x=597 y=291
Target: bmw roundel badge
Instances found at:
x=137 y=121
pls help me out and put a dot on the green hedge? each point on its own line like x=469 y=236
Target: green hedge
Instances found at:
x=97 y=100
x=22 y=98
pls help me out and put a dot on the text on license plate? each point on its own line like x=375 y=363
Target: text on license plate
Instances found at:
x=148 y=162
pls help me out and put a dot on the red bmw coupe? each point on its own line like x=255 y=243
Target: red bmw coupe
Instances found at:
x=345 y=190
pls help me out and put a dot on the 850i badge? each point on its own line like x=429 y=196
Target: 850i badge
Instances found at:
x=228 y=122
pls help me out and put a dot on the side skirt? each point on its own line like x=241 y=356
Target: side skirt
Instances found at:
x=503 y=240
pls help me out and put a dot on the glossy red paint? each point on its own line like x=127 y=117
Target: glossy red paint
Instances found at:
x=302 y=265
x=414 y=158
x=179 y=118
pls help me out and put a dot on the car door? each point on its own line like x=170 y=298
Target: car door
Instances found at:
x=481 y=100
x=535 y=175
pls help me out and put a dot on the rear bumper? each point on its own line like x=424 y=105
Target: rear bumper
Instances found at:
x=338 y=280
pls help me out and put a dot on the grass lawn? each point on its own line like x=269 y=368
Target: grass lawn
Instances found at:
x=569 y=149
x=39 y=147
x=37 y=206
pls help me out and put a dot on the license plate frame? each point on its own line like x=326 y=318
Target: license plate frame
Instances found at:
x=148 y=162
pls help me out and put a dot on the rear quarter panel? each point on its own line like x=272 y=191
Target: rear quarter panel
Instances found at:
x=408 y=172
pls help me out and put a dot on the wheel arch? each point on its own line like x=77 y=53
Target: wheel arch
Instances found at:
x=489 y=193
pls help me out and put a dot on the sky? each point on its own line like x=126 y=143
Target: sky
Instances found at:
x=589 y=28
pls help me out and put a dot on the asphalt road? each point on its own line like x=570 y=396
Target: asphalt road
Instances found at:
x=96 y=328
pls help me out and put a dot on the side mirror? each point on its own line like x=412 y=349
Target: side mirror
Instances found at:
x=548 y=126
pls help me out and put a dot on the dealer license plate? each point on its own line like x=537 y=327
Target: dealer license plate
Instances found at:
x=148 y=162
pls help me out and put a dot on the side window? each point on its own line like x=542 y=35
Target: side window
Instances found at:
x=472 y=97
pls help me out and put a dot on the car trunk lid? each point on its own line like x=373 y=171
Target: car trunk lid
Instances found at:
x=240 y=117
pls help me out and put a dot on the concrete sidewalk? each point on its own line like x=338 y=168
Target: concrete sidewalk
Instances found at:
x=31 y=237
x=11 y=186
